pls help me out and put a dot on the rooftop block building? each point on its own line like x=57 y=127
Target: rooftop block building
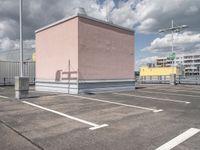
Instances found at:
x=83 y=54
x=160 y=71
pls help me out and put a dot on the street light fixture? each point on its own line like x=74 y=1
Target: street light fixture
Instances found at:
x=173 y=29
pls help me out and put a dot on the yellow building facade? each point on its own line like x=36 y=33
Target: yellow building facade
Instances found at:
x=160 y=71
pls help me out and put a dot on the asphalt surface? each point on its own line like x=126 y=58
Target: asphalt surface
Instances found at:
x=132 y=118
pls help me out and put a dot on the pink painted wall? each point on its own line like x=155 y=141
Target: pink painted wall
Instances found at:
x=97 y=50
x=54 y=47
x=105 y=52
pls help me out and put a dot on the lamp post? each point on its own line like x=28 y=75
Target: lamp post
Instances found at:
x=21 y=36
x=173 y=29
x=21 y=82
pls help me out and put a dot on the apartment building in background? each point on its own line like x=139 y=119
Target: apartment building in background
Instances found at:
x=163 y=62
x=190 y=63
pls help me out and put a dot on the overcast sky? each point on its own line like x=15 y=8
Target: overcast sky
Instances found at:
x=146 y=17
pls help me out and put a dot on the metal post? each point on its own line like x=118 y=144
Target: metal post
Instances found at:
x=173 y=29
x=69 y=76
x=4 y=81
x=21 y=37
x=21 y=82
x=172 y=32
x=172 y=25
x=77 y=81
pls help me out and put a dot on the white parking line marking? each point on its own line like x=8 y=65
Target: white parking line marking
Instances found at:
x=179 y=139
x=94 y=126
x=154 y=98
x=174 y=90
x=168 y=93
x=1 y=96
x=187 y=89
x=116 y=103
x=191 y=87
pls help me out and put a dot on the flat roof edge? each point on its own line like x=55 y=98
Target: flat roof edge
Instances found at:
x=83 y=16
x=54 y=24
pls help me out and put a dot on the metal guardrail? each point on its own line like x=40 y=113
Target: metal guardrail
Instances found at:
x=8 y=71
x=193 y=80
x=153 y=79
x=189 y=80
x=11 y=81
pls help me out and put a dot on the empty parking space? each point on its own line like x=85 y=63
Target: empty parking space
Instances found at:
x=170 y=94
x=85 y=107
x=153 y=102
x=179 y=139
x=175 y=91
x=178 y=90
x=167 y=93
x=116 y=103
x=175 y=88
x=94 y=125
x=147 y=118
x=154 y=98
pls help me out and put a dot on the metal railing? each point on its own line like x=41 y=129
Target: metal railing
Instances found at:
x=8 y=71
x=153 y=79
x=193 y=80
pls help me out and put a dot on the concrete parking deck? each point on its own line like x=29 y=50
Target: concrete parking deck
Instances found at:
x=153 y=117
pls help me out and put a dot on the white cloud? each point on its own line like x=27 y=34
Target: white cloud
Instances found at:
x=7 y=44
x=192 y=10
x=145 y=16
x=144 y=61
x=124 y=14
x=9 y=49
x=156 y=14
x=1 y=30
x=151 y=59
x=183 y=43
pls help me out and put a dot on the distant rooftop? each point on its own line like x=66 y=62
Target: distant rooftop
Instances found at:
x=180 y=55
x=80 y=12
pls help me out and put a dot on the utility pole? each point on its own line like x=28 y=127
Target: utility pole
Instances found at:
x=172 y=32
x=21 y=36
x=173 y=29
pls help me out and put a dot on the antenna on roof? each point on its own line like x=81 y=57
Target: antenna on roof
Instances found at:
x=108 y=10
x=80 y=11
